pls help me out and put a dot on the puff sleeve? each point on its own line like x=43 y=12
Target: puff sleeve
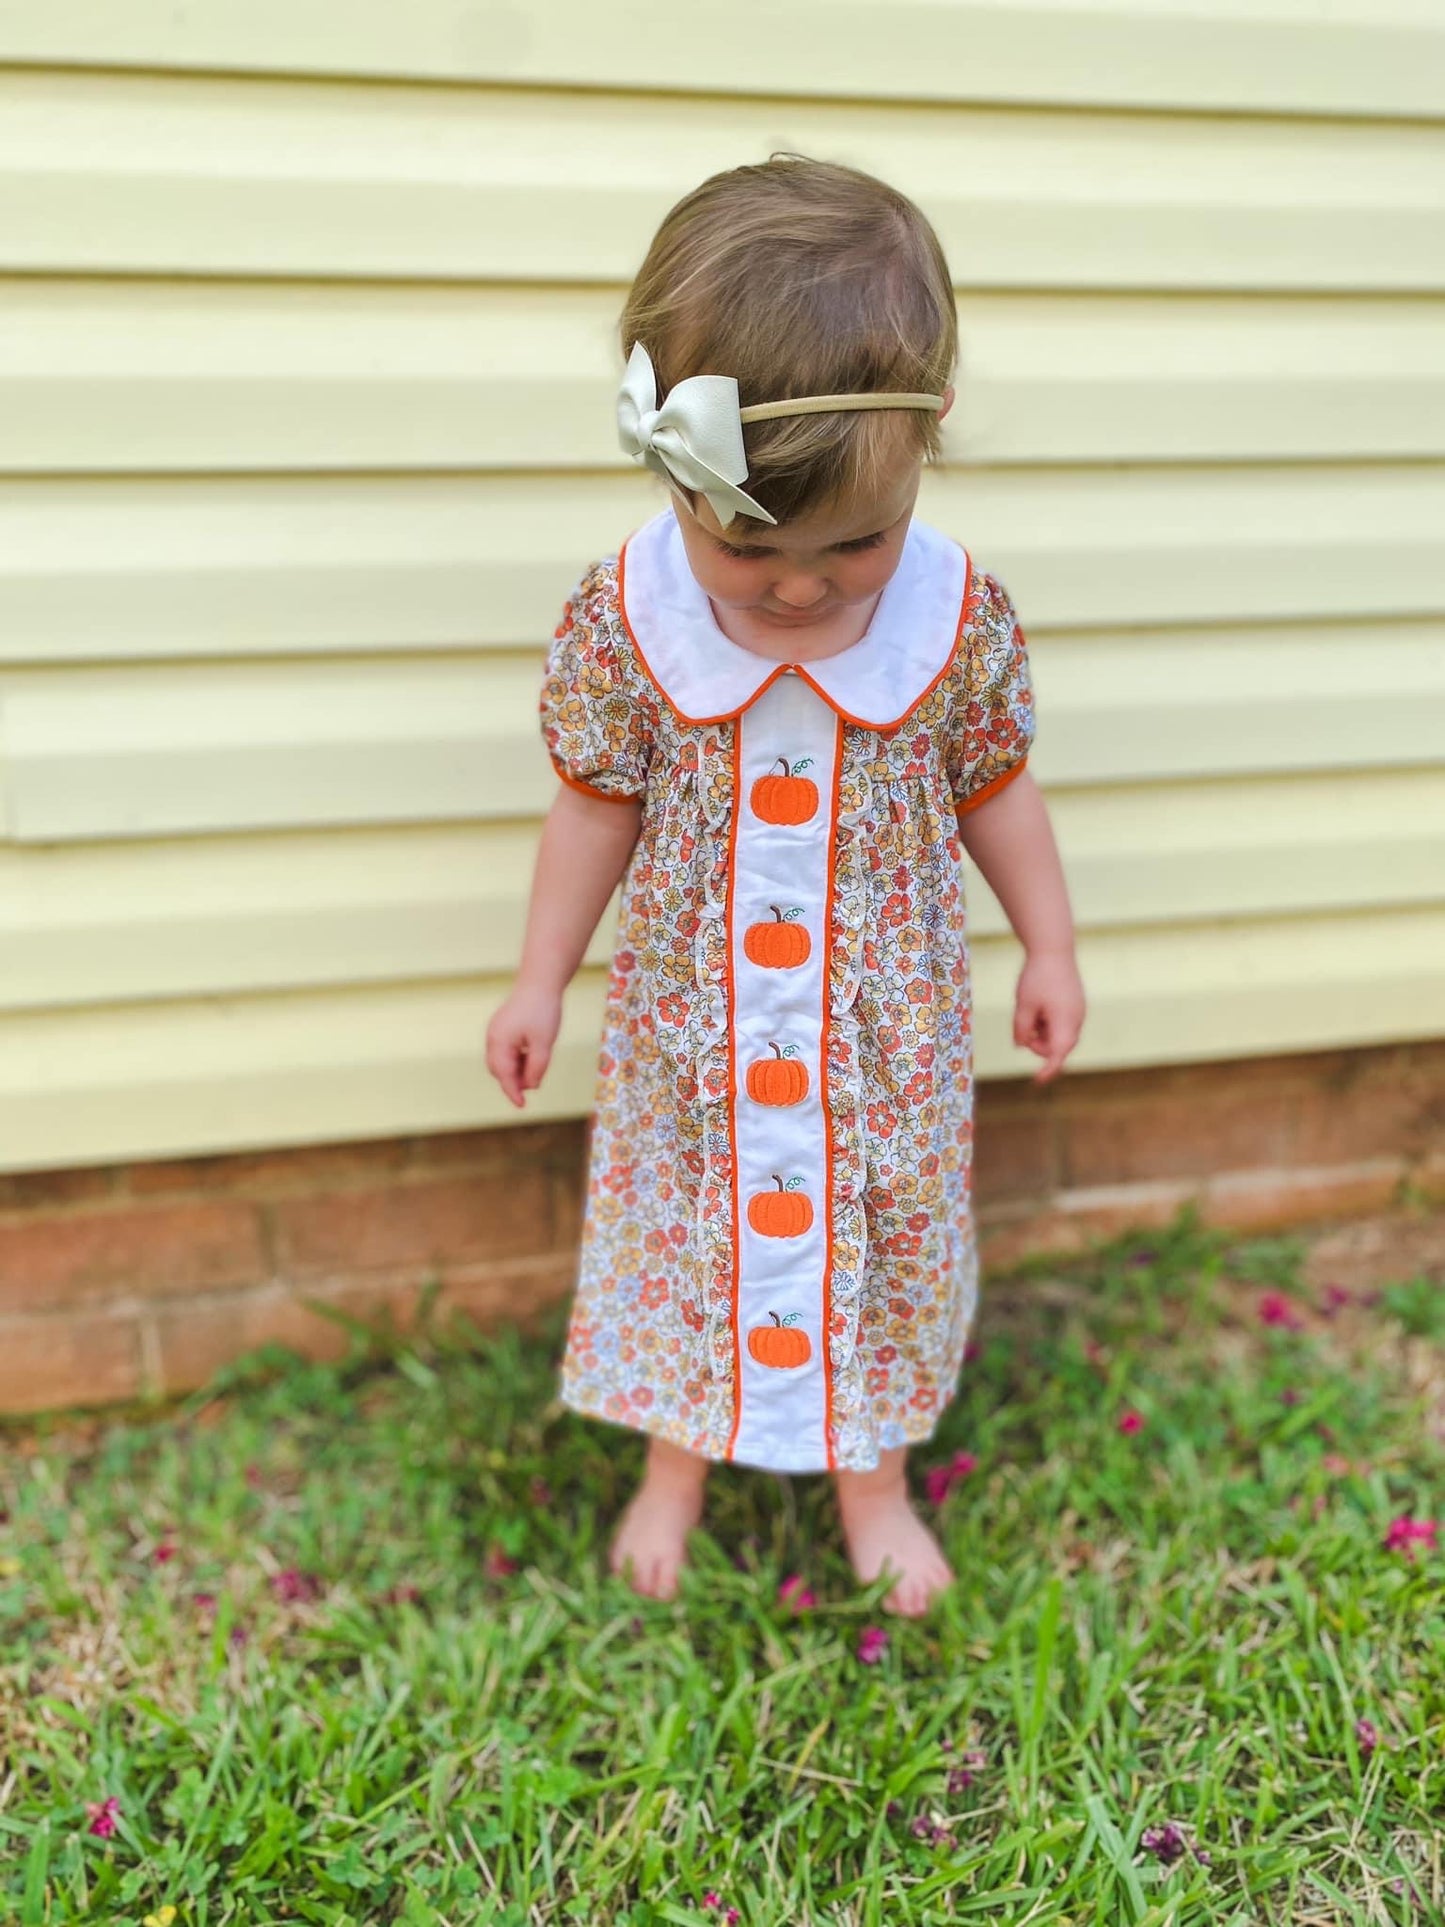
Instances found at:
x=597 y=731
x=992 y=725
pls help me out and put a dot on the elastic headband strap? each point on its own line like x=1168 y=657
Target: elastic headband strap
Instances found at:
x=817 y=404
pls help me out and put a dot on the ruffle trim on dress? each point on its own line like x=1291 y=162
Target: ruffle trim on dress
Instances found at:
x=716 y=1221
x=854 y=1442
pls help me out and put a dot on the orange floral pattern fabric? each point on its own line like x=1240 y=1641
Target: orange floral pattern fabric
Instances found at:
x=650 y=1343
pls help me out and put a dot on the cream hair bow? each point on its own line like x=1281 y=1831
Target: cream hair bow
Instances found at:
x=696 y=437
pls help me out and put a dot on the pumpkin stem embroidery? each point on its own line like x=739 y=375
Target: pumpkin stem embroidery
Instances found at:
x=782 y=1344
x=784 y=1213
x=787 y=798
x=780 y=945
x=779 y=1079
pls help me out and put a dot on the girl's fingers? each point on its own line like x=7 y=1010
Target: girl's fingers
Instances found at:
x=537 y=1058
x=504 y=1061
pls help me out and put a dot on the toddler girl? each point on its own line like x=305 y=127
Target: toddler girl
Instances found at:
x=781 y=713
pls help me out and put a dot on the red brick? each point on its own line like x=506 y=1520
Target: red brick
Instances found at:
x=1428 y=1177
x=47 y=1363
x=1237 y=1201
x=1076 y=1220
x=194 y=1338
x=50 y=1262
x=556 y=1143
x=1013 y=1151
x=499 y=1216
x=510 y=1293
x=36 y=1190
x=1178 y=1134
x=1380 y=1109
x=300 y=1167
x=569 y=1199
x=1263 y=1200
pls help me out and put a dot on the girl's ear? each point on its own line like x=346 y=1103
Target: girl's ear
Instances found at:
x=947 y=402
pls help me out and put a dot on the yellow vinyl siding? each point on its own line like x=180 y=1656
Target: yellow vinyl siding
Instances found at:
x=307 y=379
x=1376 y=57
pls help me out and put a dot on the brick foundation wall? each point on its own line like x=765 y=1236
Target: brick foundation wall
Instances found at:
x=143 y=1278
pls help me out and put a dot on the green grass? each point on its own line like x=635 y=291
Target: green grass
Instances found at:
x=1175 y=1626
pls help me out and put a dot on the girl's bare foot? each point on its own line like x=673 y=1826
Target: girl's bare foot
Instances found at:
x=651 y=1535
x=881 y=1529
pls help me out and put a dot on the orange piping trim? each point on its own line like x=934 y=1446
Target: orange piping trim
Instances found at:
x=826 y=939
x=732 y=990
x=587 y=789
x=991 y=788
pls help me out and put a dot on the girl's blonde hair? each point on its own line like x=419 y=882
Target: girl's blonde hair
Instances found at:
x=803 y=277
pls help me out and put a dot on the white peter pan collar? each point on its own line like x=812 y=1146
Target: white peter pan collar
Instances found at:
x=706 y=677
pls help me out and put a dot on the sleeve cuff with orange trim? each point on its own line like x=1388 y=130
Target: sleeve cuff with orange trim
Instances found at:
x=991 y=789
x=589 y=789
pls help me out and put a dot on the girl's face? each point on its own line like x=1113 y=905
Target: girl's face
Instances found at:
x=800 y=579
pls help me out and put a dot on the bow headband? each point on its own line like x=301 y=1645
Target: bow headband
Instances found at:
x=696 y=437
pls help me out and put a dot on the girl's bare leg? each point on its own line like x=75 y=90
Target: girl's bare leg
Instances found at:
x=651 y=1535
x=881 y=1529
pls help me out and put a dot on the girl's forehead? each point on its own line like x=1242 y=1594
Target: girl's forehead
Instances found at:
x=823 y=529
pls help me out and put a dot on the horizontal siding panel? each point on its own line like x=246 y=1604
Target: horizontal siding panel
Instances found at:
x=111 y=568
x=130 y=174
x=162 y=750
x=96 y=923
x=117 y=753
x=187 y=377
x=185 y=1078
x=1286 y=56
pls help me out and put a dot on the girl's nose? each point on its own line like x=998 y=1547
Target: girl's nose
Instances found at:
x=801 y=592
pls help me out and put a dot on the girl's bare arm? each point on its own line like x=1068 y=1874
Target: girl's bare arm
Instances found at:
x=586 y=842
x=1011 y=840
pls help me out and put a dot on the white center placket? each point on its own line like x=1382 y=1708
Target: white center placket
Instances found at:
x=787 y=749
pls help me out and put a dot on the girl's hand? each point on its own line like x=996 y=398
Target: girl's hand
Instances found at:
x=520 y=1039
x=1049 y=1008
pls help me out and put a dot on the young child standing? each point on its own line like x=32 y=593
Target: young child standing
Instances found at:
x=781 y=713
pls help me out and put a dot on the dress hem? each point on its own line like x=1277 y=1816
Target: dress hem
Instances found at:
x=670 y=1435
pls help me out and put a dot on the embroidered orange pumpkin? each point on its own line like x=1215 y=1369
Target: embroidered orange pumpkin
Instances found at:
x=779 y=1079
x=789 y=798
x=782 y=1343
x=778 y=946
x=783 y=1213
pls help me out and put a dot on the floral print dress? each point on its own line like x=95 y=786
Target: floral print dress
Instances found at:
x=779 y=1264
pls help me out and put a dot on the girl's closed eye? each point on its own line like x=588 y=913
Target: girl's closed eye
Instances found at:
x=848 y=548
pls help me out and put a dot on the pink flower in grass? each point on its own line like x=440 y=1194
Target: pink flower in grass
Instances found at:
x=165 y=1551
x=872 y=1644
x=498 y=1564
x=711 y=1899
x=1334 y=1299
x=933 y=1831
x=1367 y=1735
x=1405 y=1529
x=291 y=1585
x=795 y=1592
x=939 y=1480
x=1131 y=1421
x=102 y=1817
x=1275 y=1308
